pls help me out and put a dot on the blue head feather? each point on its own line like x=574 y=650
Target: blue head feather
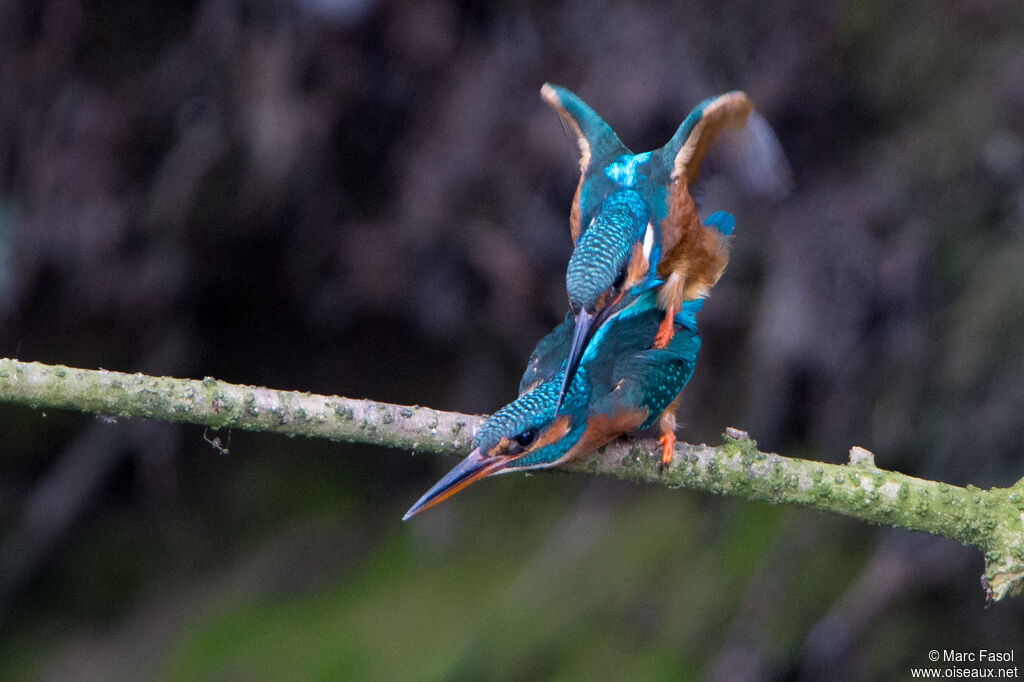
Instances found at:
x=604 y=250
x=534 y=412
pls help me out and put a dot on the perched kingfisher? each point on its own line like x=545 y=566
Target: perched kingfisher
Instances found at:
x=622 y=384
x=633 y=222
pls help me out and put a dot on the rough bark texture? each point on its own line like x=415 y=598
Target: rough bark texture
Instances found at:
x=991 y=520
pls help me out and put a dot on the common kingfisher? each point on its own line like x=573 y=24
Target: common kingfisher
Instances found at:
x=633 y=222
x=623 y=383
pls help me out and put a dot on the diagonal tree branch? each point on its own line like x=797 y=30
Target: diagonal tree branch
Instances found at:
x=991 y=520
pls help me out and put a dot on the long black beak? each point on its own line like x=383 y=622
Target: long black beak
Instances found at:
x=586 y=324
x=471 y=469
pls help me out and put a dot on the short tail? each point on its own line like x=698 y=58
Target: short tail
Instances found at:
x=721 y=221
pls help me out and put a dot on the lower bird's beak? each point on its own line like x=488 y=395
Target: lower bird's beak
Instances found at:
x=471 y=469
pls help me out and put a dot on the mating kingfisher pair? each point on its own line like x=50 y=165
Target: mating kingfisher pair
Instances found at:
x=641 y=266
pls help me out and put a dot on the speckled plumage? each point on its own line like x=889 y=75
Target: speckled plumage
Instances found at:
x=625 y=331
x=535 y=410
x=605 y=247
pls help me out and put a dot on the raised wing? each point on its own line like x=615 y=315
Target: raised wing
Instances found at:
x=598 y=144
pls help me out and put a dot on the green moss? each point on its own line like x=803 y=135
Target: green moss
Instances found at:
x=743 y=448
x=822 y=492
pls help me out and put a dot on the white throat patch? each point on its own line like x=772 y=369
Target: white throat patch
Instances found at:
x=648 y=241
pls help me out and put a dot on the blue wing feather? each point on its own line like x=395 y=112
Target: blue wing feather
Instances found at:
x=549 y=356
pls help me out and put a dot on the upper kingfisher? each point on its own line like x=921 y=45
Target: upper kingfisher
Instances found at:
x=622 y=383
x=633 y=222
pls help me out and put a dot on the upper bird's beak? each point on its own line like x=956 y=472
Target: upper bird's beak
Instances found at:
x=471 y=469
x=586 y=324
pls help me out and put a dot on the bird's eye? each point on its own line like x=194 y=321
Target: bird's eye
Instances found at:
x=620 y=280
x=525 y=438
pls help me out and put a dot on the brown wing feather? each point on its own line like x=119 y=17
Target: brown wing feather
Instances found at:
x=692 y=265
x=574 y=213
x=549 y=95
x=695 y=255
x=730 y=110
x=681 y=223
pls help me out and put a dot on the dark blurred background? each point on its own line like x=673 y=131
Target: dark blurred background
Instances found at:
x=370 y=199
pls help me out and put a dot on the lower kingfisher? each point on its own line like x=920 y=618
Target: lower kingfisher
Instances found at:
x=623 y=383
x=633 y=222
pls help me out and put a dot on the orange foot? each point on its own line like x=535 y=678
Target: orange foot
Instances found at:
x=666 y=329
x=668 y=448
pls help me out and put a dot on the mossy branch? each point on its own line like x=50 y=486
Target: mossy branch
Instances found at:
x=991 y=520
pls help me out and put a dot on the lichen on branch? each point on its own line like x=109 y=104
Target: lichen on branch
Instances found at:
x=218 y=404
x=991 y=520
